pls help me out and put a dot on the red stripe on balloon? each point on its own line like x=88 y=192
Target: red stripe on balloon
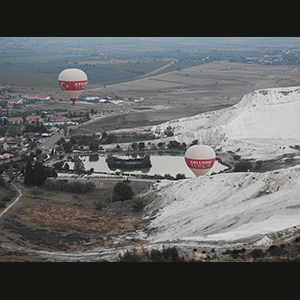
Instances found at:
x=200 y=163
x=72 y=85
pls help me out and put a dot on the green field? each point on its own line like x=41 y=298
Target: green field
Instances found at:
x=44 y=73
x=37 y=61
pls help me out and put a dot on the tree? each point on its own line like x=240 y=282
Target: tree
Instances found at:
x=257 y=253
x=146 y=163
x=39 y=174
x=180 y=176
x=2 y=182
x=28 y=178
x=10 y=173
x=38 y=151
x=110 y=139
x=141 y=145
x=35 y=175
x=58 y=165
x=65 y=129
x=67 y=146
x=94 y=146
x=104 y=135
x=160 y=145
x=122 y=191
x=66 y=167
x=134 y=146
x=60 y=141
x=78 y=166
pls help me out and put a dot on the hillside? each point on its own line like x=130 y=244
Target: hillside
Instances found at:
x=239 y=208
x=235 y=209
x=261 y=126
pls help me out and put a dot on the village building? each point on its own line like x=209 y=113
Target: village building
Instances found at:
x=6 y=156
x=16 y=120
x=36 y=97
x=59 y=119
x=33 y=119
x=16 y=100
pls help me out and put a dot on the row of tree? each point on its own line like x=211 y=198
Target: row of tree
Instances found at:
x=37 y=174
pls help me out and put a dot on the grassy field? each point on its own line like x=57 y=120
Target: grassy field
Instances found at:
x=44 y=73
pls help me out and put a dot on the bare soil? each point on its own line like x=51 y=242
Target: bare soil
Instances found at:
x=57 y=221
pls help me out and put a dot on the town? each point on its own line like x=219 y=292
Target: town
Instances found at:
x=24 y=130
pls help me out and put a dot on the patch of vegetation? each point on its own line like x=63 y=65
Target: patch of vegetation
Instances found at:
x=128 y=164
x=98 y=205
x=176 y=145
x=36 y=192
x=76 y=187
x=166 y=255
x=7 y=193
x=243 y=166
x=137 y=204
x=235 y=252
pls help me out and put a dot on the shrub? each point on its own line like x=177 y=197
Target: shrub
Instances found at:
x=130 y=257
x=180 y=176
x=98 y=205
x=122 y=191
x=156 y=256
x=167 y=255
x=169 y=177
x=35 y=191
x=171 y=254
x=257 y=253
x=275 y=250
x=2 y=204
x=6 y=198
x=137 y=204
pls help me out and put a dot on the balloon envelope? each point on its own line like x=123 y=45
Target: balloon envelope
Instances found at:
x=200 y=159
x=72 y=81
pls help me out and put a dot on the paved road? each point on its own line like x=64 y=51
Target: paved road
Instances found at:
x=48 y=143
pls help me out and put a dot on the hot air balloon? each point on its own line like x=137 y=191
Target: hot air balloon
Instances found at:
x=200 y=159
x=72 y=81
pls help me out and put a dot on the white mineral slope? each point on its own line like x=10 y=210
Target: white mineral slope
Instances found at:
x=261 y=126
x=235 y=208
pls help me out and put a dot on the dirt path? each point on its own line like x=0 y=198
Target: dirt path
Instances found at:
x=158 y=70
x=12 y=204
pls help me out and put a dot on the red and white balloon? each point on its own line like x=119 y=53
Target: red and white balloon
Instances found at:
x=72 y=81
x=200 y=159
